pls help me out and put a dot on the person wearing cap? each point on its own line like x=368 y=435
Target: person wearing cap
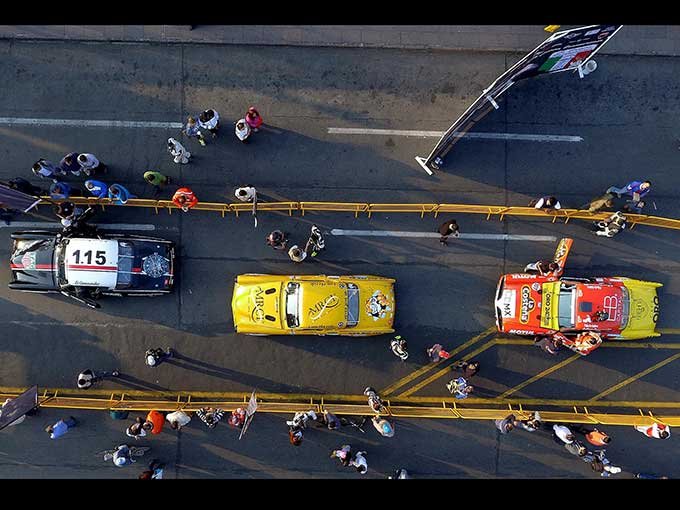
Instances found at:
x=184 y=198
x=237 y=418
x=178 y=152
x=253 y=119
x=447 y=229
x=384 y=427
x=122 y=456
x=437 y=353
x=178 y=419
x=359 y=462
x=154 y=357
x=277 y=240
x=90 y=164
x=210 y=416
x=69 y=163
x=562 y=434
x=296 y=254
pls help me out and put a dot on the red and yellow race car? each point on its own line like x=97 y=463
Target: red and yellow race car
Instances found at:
x=580 y=312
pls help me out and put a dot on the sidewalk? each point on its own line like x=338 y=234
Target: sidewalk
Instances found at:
x=631 y=40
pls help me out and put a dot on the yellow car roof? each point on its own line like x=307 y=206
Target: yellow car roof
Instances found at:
x=323 y=304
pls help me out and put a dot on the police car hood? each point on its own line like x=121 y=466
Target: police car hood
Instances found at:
x=32 y=262
x=91 y=262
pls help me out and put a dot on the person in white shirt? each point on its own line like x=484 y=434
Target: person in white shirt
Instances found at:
x=178 y=419
x=177 y=150
x=246 y=193
x=210 y=120
x=563 y=434
x=90 y=164
x=656 y=430
x=547 y=203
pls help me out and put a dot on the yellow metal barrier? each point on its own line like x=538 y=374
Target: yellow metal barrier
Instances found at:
x=355 y=405
x=355 y=207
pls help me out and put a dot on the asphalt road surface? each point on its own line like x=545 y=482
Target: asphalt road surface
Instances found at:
x=626 y=113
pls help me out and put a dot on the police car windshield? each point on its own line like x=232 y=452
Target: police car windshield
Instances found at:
x=567 y=301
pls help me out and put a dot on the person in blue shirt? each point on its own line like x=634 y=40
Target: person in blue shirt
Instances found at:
x=119 y=194
x=97 y=188
x=459 y=387
x=60 y=190
x=636 y=189
x=61 y=427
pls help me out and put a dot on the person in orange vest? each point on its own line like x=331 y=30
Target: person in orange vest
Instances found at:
x=157 y=419
x=656 y=430
x=184 y=198
x=593 y=436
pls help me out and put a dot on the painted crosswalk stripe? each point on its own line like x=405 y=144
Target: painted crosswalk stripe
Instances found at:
x=20 y=121
x=438 y=134
x=401 y=233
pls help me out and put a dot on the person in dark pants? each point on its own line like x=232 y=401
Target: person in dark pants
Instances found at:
x=447 y=229
x=69 y=163
x=155 y=471
x=24 y=186
x=88 y=377
x=155 y=357
x=61 y=427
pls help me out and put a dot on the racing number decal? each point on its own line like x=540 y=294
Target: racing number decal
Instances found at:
x=99 y=258
x=611 y=306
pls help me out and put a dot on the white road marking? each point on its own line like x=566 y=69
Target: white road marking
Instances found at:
x=14 y=121
x=103 y=226
x=439 y=134
x=399 y=233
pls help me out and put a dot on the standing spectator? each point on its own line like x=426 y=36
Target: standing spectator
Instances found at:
x=506 y=424
x=137 y=429
x=612 y=225
x=459 y=388
x=547 y=344
x=530 y=425
x=237 y=418
x=602 y=202
x=157 y=419
x=45 y=169
x=246 y=193
x=67 y=212
x=69 y=163
x=384 y=427
x=156 y=179
x=398 y=346
x=155 y=357
x=210 y=120
x=210 y=416
x=542 y=267
x=61 y=427
x=155 y=471
x=21 y=184
x=178 y=419
x=447 y=229
x=469 y=368
x=576 y=448
x=296 y=254
x=97 y=188
x=122 y=456
x=315 y=243
x=636 y=189
x=60 y=191
x=546 y=203
x=253 y=119
x=88 y=377
x=277 y=240
x=601 y=464
x=295 y=436
x=593 y=436
x=374 y=401
x=437 y=353
x=344 y=455
x=191 y=129
x=177 y=150
x=330 y=420
x=119 y=194
x=561 y=433
x=359 y=462
x=90 y=164
x=656 y=430
x=301 y=418
x=184 y=198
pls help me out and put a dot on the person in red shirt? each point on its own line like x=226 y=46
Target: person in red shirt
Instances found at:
x=158 y=419
x=253 y=119
x=184 y=198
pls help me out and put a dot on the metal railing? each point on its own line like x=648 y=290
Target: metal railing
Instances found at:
x=357 y=207
x=627 y=414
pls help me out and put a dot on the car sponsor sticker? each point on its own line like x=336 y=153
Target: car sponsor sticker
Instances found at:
x=257 y=302
x=522 y=331
x=315 y=312
x=527 y=304
x=28 y=260
x=378 y=305
x=507 y=304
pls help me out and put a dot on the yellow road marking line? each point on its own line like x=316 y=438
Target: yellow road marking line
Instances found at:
x=446 y=370
x=636 y=377
x=539 y=376
x=417 y=373
x=669 y=331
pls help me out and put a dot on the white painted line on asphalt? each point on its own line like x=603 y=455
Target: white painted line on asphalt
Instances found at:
x=439 y=134
x=103 y=226
x=14 y=121
x=398 y=233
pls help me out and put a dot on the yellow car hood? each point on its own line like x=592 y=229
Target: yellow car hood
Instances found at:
x=255 y=306
x=643 y=311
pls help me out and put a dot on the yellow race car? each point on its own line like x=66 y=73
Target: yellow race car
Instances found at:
x=357 y=305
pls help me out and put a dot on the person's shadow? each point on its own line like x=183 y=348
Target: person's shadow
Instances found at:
x=134 y=382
